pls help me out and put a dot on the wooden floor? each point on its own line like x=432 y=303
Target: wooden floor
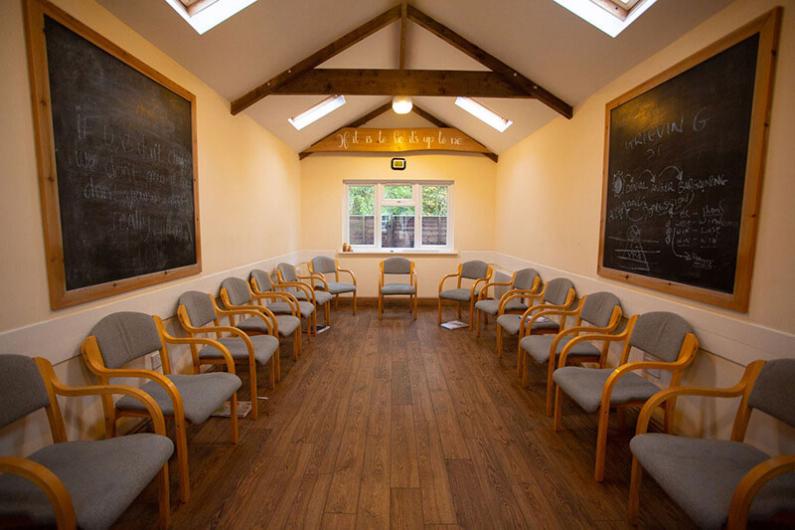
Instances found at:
x=403 y=424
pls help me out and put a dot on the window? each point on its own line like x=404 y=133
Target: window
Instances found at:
x=409 y=215
x=204 y=15
x=610 y=16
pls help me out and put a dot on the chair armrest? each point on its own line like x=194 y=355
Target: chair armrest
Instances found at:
x=308 y=291
x=444 y=279
x=263 y=313
x=312 y=277
x=230 y=362
x=543 y=309
x=275 y=295
x=750 y=485
x=484 y=290
x=47 y=481
x=239 y=333
x=350 y=272
x=513 y=294
x=475 y=286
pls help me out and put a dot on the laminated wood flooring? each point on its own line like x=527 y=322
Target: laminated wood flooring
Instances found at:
x=402 y=424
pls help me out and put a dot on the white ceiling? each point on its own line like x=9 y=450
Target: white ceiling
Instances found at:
x=540 y=39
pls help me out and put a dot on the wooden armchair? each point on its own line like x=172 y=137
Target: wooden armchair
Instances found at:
x=66 y=484
x=722 y=482
x=395 y=266
x=557 y=295
x=288 y=278
x=236 y=295
x=525 y=282
x=122 y=337
x=665 y=336
x=199 y=315
x=282 y=302
x=595 y=313
x=324 y=265
x=477 y=271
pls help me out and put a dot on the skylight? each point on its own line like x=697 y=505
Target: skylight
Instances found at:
x=327 y=106
x=482 y=113
x=610 y=16
x=204 y=15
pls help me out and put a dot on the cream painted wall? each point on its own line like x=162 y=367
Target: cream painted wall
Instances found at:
x=550 y=185
x=322 y=207
x=247 y=178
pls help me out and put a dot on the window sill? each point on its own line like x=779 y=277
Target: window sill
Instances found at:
x=407 y=252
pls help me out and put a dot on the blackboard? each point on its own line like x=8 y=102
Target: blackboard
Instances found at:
x=677 y=174
x=124 y=203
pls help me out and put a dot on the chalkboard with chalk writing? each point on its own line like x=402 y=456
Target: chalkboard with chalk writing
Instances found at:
x=682 y=172
x=121 y=209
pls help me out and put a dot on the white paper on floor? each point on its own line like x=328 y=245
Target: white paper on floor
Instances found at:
x=455 y=324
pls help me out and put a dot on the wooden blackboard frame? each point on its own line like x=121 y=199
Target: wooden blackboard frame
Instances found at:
x=768 y=27
x=60 y=297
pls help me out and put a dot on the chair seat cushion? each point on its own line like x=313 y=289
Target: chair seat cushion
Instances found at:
x=492 y=306
x=321 y=297
x=340 y=287
x=398 y=288
x=510 y=324
x=103 y=478
x=460 y=295
x=584 y=386
x=701 y=475
x=264 y=347
x=287 y=325
x=537 y=346
x=201 y=394
x=283 y=308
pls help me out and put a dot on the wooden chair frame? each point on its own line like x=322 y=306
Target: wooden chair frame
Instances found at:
x=412 y=297
x=258 y=310
x=337 y=271
x=473 y=288
x=484 y=295
x=308 y=290
x=218 y=329
x=687 y=352
x=576 y=330
x=753 y=481
x=95 y=363
x=290 y=299
x=46 y=480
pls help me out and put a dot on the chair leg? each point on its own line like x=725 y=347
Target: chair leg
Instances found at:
x=233 y=417
x=327 y=313
x=181 y=436
x=601 y=444
x=634 y=492
x=164 y=500
x=558 y=407
x=252 y=371
x=550 y=382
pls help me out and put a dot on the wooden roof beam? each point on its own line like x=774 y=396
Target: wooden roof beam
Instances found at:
x=489 y=61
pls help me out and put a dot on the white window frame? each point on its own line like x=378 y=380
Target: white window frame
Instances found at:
x=415 y=201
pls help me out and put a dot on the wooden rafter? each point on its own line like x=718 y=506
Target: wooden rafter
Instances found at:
x=361 y=120
x=316 y=59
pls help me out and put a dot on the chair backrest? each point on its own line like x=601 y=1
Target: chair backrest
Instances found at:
x=499 y=290
x=397 y=266
x=22 y=390
x=557 y=290
x=598 y=308
x=263 y=279
x=774 y=391
x=324 y=264
x=661 y=334
x=474 y=270
x=199 y=307
x=237 y=290
x=288 y=272
x=524 y=279
x=125 y=336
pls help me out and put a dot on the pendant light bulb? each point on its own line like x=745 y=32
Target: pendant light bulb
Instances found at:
x=402 y=104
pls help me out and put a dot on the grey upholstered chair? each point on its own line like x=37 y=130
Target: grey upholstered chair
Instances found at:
x=478 y=272
x=595 y=313
x=557 y=294
x=281 y=302
x=288 y=279
x=200 y=315
x=82 y=483
x=236 y=295
x=664 y=336
x=397 y=266
x=120 y=338
x=525 y=282
x=324 y=265
x=722 y=482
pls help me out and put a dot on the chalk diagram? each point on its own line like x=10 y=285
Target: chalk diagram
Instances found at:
x=633 y=253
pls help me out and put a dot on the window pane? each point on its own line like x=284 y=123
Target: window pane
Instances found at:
x=397 y=227
x=434 y=215
x=398 y=191
x=361 y=215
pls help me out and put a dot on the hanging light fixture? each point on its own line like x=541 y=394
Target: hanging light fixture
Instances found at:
x=402 y=104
